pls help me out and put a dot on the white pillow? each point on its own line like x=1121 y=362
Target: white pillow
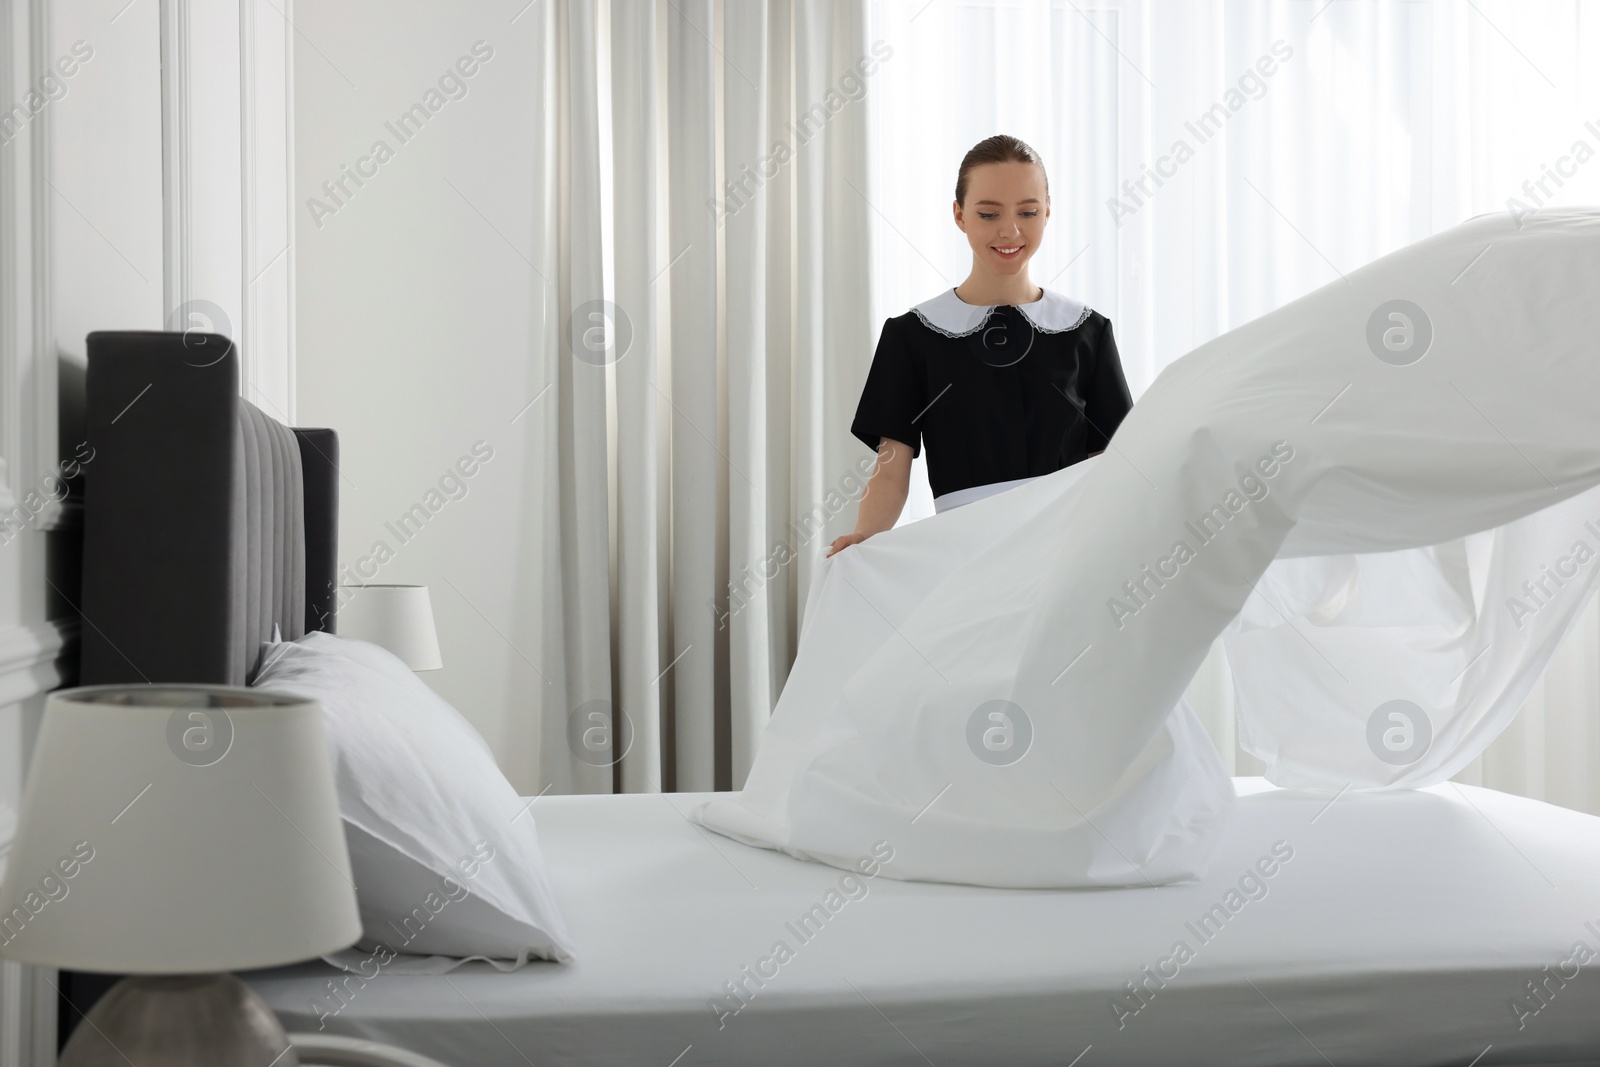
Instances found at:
x=445 y=854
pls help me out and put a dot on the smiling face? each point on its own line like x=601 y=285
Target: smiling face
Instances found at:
x=1004 y=215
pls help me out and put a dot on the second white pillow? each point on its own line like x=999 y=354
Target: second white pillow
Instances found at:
x=444 y=852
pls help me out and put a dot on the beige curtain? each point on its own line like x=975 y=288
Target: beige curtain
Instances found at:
x=703 y=254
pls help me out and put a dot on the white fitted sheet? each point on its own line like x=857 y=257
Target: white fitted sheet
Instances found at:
x=1477 y=893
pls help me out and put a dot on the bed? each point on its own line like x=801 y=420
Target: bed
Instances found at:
x=1487 y=892
x=1477 y=951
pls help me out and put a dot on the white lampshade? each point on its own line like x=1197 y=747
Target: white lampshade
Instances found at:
x=177 y=829
x=396 y=617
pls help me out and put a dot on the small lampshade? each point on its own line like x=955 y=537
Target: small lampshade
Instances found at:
x=177 y=829
x=396 y=617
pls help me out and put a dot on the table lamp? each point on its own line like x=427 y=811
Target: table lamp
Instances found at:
x=395 y=617
x=173 y=833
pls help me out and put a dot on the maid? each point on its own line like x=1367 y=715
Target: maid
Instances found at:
x=1004 y=380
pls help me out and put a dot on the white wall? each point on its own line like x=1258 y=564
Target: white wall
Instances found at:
x=107 y=218
x=415 y=303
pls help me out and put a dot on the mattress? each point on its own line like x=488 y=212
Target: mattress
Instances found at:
x=1449 y=925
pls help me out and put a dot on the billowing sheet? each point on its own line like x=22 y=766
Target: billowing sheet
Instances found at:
x=1381 y=494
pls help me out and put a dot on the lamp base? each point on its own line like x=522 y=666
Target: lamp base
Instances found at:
x=179 y=1021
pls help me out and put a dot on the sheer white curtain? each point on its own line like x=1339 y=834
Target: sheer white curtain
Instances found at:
x=703 y=231
x=1210 y=161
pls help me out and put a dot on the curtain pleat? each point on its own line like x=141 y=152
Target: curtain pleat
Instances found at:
x=640 y=573
x=571 y=449
x=747 y=233
x=697 y=430
x=541 y=725
x=581 y=385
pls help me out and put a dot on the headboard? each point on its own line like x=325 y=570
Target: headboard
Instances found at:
x=205 y=520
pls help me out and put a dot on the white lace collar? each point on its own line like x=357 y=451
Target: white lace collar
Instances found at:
x=948 y=314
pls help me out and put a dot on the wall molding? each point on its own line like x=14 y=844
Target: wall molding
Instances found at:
x=43 y=457
x=28 y=658
x=176 y=186
x=265 y=331
x=29 y=667
x=249 y=331
x=8 y=833
x=11 y=214
x=27 y=1015
x=291 y=353
x=29 y=649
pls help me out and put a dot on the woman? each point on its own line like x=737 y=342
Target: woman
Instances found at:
x=1003 y=379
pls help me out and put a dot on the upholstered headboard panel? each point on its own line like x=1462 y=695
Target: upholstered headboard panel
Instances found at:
x=206 y=521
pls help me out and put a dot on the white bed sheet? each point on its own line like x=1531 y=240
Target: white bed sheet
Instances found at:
x=1482 y=893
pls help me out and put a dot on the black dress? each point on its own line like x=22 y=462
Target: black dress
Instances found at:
x=996 y=392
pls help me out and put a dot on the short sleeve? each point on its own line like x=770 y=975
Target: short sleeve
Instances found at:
x=1106 y=397
x=892 y=400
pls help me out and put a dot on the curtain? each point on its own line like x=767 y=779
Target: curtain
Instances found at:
x=704 y=257
x=1210 y=161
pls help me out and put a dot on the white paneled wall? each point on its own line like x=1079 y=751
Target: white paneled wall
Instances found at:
x=172 y=176
x=145 y=183
x=29 y=495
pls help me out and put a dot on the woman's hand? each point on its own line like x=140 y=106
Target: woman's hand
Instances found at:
x=884 y=497
x=845 y=541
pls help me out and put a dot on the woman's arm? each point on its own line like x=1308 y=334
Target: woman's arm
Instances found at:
x=885 y=495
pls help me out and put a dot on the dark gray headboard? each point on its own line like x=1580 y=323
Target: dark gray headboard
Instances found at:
x=205 y=520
